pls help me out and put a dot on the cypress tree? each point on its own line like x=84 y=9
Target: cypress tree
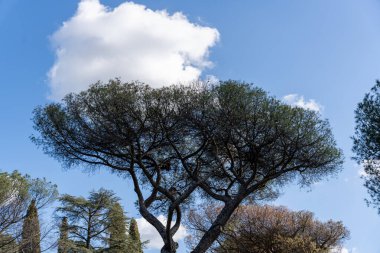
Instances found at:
x=63 y=246
x=134 y=236
x=118 y=241
x=30 y=242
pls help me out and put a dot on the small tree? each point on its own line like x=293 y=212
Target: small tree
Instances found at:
x=87 y=218
x=367 y=142
x=16 y=194
x=226 y=143
x=134 y=236
x=267 y=229
x=118 y=240
x=30 y=242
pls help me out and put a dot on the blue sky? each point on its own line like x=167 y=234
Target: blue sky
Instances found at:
x=323 y=50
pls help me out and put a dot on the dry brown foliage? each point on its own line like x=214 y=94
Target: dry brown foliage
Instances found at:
x=268 y=229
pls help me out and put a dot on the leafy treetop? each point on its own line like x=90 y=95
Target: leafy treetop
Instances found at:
x=227 y=143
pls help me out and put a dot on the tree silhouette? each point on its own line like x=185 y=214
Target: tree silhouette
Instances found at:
x=367 y=142
x=225 y=143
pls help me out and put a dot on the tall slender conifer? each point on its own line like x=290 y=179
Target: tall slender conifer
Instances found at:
x=134 y=234
x=118 y=241
x=63 y=243
x=30 y=242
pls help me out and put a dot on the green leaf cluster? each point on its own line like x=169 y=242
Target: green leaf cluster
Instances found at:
x=367 y=142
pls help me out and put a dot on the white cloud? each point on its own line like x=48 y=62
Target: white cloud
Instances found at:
x=130 y=42
x=148 y=232
x=343 y=250
x=337 y=250
x=299 y=101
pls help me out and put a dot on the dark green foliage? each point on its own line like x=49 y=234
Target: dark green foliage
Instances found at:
x=134 y=236
x=87 y=219
x=63 y=242
x=118 y=240
x=367 y=142
x=30 y=242
x=228 y=142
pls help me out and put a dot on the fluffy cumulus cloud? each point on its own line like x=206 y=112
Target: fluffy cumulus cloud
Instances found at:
x=130 y=42
x=299 y=101
x=148 y=232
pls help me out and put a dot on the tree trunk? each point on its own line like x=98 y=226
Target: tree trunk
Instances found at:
x=216 y=228
x=168 y=249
